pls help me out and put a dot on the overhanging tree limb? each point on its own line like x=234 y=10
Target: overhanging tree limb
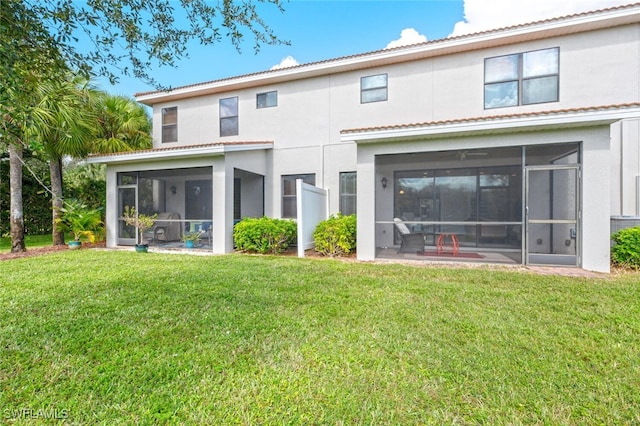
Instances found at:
x=138 y=35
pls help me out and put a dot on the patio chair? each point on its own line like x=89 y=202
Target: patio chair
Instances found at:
x=410 y=242
x=167 y=231
x=206 y=232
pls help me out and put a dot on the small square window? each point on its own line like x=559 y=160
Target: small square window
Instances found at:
x=267 y=100
x=373 y=88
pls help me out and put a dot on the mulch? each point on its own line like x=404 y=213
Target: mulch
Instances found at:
x=30 y=252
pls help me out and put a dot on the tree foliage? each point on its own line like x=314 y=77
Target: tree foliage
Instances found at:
x=71 y=118
x=40 y=41
x=139 y=33
x=37 y=202
x=86 y=182
x=28 y=54
x=122 y=125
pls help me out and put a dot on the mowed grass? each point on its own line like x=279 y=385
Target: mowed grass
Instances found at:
x=99 y=337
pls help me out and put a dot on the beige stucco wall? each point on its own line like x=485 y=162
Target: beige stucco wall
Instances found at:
x=625 y=170
x=597 y=68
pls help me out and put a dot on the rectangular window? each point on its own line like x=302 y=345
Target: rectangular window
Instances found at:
x=289 y=200
x=229 y=116
x=373 y=88
x=522 y=78
x=267 y=100
x=169 y=124
x=348 y=193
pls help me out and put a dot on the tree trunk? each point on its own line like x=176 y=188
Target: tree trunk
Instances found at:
x=15 y=181
x=55 y=168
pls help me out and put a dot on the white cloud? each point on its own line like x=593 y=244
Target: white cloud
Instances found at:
x=287 y=62
x=481 y=15
x=407 y=36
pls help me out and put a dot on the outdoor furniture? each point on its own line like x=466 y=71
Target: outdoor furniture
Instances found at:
x=206 y=232
x=441 y=241
x=167 y=227
x=410 y=242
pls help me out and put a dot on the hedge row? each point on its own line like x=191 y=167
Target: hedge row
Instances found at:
x=335 y=236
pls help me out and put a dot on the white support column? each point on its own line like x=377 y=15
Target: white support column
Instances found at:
x=637 y=195
x=222 y=187
x=366 y=205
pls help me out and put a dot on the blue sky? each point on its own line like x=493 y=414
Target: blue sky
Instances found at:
x=325 y=29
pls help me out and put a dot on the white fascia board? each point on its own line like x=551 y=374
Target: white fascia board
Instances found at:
x=535 y=122
x=170 y=154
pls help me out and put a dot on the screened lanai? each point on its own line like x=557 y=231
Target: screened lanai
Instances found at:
x=503 y=205
x=181 y=199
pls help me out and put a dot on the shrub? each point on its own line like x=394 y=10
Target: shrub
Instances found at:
x=264 y=235
x=626 y=250
x=81 y=220
x=336 y=236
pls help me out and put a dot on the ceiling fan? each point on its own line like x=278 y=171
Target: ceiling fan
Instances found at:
x=466 y=153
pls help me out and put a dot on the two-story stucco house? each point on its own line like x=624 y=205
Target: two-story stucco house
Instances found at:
x=521 y=143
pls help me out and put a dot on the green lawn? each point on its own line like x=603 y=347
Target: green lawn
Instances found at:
x=99 y=337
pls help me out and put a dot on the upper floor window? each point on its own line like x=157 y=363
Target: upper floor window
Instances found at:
x=373 y=88
x=170 y=124
x=229 y=116
x=289 y=199
x=348 y=193
x=267 y=99
x=522 y=78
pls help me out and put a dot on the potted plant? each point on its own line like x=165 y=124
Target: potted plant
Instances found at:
x=82 y=221
x=141 y=222
x=190 y=238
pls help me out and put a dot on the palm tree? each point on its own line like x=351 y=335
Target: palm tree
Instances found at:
x=123 y=125
x=73 y=119
x=62 y=125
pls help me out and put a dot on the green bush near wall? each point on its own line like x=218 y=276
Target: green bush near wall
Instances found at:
x=336 y=236
x=264 y=235
x=626 y=250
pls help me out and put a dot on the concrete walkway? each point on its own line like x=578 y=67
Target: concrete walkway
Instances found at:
x=565 y=272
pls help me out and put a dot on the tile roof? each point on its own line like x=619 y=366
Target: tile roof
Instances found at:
x=183 y=147
x=400 y=48
x=494 y=118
